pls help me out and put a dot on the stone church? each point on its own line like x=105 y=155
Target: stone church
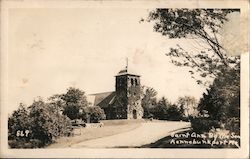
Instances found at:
x=125 y=101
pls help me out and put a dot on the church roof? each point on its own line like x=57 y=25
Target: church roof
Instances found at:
x=103 y=99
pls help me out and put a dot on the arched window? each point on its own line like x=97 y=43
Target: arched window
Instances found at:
x=132 y=81
x=136 y=83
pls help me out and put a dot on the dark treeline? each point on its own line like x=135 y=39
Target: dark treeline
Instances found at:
x=163 y=109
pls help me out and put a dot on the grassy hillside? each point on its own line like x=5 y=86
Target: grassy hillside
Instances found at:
x=111 y=127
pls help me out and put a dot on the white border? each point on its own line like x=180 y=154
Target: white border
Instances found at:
x=243 y=152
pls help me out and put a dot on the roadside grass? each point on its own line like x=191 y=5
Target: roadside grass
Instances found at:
x=111 y=127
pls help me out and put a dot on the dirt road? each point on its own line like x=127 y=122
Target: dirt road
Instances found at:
x=145 y=134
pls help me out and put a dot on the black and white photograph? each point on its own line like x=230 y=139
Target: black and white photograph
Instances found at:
x=120 y=76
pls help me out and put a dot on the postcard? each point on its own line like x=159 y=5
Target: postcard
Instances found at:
x=124 y=79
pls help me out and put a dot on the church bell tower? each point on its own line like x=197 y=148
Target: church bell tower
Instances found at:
x=128 y=95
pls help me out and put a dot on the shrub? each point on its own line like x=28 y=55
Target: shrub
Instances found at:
x=93 y=114
x=174 y=114
x=72 y=111
x=233 y=125
x=164 y=110
x=202 y=124
x=222 y=99
x=221 y=103
x=19 y=120
x=43 y=126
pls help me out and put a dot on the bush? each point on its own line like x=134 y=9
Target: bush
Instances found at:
x=233 y=125
x=43 y=126
x=19 y=120
x=201 y=125
x=159 y=112
x=221 y=103
x=72 y=111
x=174 y=114
x=166 y=111
x=222 y=99
x=93 y=114
x=44 y=121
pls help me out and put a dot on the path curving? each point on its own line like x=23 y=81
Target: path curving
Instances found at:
x=147 y=133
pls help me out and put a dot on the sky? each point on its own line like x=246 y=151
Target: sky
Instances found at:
x=51 y=50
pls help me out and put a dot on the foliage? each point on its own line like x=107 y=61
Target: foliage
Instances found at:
x=19 y=120
x=72 y=110
x=202 y=26
x=202 y=124
x=164 y=110
x=148 y=101
x=42 y=124
x=75 y=100
x=220 y=106
x=94 y=114
x=46 y=125
x=233 y=124
x=160 y=111
x=222 y=100
x=75 y=95
x=174 y=113
x=188 y=104
x=56 y=103
x=47 y=121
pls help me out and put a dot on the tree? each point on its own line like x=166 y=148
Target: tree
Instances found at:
x=188 y=104
x=164 y=110
x=220 y=105
x=174 y=113
x=211 y=61
x=148 y=101
x=72 y=111
x=222 y=100
x=160 y=111
x=41 y=122
x=56 y=106
x=46 y=125
x=201 y=25
x=56 y=103
x=93 y=113
x=36 y=126
x=18 y=121
x=75 y=100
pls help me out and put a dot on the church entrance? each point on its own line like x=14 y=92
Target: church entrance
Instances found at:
x=134 y=114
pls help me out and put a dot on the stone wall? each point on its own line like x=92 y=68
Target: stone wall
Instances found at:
x=127 y=103
x=134 y=109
